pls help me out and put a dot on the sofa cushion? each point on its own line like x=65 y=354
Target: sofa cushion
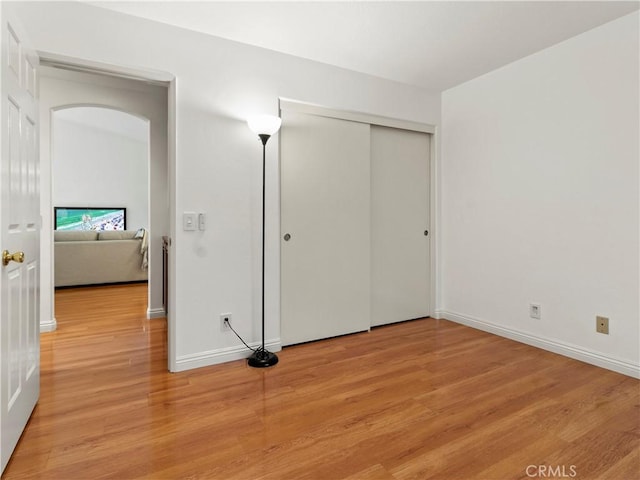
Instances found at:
x=116 y=235
x=74 y=235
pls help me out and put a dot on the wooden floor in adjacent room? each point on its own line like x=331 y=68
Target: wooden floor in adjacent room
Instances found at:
x=419 y=400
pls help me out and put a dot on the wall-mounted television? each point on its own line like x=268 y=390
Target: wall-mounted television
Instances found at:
x=90 y=218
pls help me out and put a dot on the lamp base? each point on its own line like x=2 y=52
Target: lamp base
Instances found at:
x=262 y=358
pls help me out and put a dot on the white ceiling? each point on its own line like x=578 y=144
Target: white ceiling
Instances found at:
x=434 y=45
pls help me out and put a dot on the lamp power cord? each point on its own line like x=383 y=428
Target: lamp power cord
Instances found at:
x=226 y=321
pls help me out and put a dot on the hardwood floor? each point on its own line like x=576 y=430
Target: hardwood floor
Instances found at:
x=420 y=400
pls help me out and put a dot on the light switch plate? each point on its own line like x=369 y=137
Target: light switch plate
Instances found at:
x=189 y=221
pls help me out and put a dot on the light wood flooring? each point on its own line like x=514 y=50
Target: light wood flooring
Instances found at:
x=419 y=400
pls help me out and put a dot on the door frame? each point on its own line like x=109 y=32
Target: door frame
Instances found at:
x=48 y=322
x=292 y=105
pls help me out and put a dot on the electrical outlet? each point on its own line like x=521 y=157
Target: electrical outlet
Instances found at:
x=534 y=310
x=602 y=325
x=223 y=325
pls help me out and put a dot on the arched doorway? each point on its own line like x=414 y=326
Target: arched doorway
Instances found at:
x=100 y=183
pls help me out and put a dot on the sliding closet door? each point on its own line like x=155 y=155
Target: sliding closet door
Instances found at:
x=400 y=279
x=325 y=215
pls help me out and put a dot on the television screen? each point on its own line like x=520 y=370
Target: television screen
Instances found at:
x=73 y=218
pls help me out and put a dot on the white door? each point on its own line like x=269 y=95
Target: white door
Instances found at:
x=325 y=227
x=400 y=279
x=19 y=232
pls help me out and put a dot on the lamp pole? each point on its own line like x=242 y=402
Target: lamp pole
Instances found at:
x=264 y=126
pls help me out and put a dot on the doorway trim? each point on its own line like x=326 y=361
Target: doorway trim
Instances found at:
x=49 y=59
x=150 y=77
x=360 y=117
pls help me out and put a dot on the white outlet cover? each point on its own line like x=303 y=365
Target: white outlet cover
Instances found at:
x=223 y=325
x=534 y=310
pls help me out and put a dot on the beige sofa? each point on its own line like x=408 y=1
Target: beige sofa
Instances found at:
x=89 y=257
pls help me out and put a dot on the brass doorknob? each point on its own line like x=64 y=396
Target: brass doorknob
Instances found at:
x=15 y=257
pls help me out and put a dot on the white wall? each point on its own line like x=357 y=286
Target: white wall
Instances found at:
x=100 y=158
x=60 y=89
x=218 y=160
x=540 y=197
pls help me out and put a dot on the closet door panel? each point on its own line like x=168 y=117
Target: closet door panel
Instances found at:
x=400 y=279
x=325 y=227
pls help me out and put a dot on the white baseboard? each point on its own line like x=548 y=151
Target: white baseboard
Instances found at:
x=156 y=313
x=222 y=355
x=48 y=325
x=571 y=351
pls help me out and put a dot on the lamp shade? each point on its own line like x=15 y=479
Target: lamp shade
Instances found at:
x=264 y=124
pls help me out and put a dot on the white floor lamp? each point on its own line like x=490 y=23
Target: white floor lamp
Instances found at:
x=264 y=126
